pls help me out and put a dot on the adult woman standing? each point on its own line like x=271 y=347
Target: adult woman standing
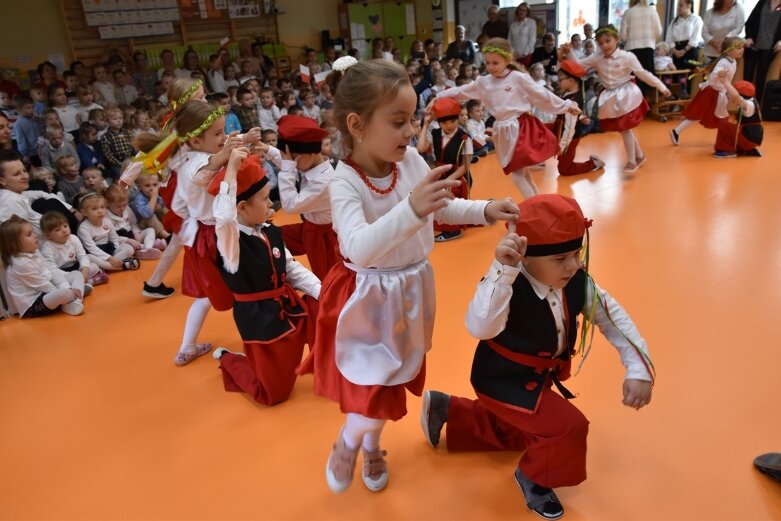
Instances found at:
x=5 y=132
x=495 y=27
x=763 y=41
x=461 y=49
x=684 y=36
x=48 y=73
x=640 y=30
x=725 y=19
x=523 y=34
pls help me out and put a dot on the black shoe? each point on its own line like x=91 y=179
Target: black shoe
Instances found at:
x=475 y=159
x=433 y=415
x=540 y=500
x=161 y=291
x=769 y=464
x=754 y=152
x=674 y=136
x=448 y=236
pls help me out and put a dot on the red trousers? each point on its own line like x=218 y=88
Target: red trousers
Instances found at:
x=567 y=164
x=725 y=138
x=462 y=192
x=317 y=241
x=268 y=371
x=554 y=437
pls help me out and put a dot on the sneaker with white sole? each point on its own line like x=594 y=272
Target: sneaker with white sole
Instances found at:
x=721 y=154
x=217 y=354
x=541 y=500
x=598 y=163
x=630 y=168
x=674 y=136
x=74 y=308
x=131 y=264
x=149 y=254
x=341 y=466
x=375 y=469
x=433 y=415
x=160 y=244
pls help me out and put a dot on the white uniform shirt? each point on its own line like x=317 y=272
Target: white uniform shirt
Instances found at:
x=127 y=221
x=717 y=26
x=718 y=79
x=61 y=254
x=640 y=27
x=617 y=69
x=312 y=113
x=523 y=36
x=105 y=91
x=228 y=229
x=682 y=29
x=191 y=201
x=269 y=117
x=490 y=307
x=29 y=275
x=92 y=235
x=476 y=129
x=12 y=203
x=312 y=200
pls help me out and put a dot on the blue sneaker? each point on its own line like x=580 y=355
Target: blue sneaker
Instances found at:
x=721 y=154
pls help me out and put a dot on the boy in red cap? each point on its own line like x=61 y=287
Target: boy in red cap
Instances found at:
x=262 y=275
x=525 y=313
x=570 y=127
x=451 y=145
x=743 y=136
x=298 y=152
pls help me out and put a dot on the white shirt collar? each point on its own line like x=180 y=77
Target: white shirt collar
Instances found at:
x=249 y=230
x=542 y=290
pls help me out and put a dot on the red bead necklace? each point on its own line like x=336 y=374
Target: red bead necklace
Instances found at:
x=395 y=176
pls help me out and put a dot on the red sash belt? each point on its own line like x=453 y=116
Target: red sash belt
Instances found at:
x=286 y=291
x=529 y=360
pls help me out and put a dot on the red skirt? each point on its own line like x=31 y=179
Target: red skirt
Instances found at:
x=703 y=108
x=200 y=275
x=384 y=402
x=171 y=221
x=626 y=122
x=535 y=144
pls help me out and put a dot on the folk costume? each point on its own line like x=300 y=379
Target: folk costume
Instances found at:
x=261 y=274
x=568 y=127
x=744 y=136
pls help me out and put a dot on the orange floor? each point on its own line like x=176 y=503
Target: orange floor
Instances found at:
x=97 y=422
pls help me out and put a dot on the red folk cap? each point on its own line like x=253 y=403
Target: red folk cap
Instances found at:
x=446 y=108
x=745 y=88
x=573 y=68
x=552 y=224
x=250 y=178
x=301 y=134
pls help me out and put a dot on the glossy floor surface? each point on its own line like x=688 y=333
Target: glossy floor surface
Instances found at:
x=98 y=423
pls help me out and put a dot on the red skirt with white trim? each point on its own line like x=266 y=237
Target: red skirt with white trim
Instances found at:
x=626 y=122
x=200 y=275
x=535 y=144
x=385 y=402
x=703 y=108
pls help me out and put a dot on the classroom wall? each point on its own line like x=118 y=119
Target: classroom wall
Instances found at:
x=302 y=22
x=34 y=31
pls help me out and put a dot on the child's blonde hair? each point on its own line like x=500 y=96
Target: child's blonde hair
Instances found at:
x=361 y=89
x=39 y=172
x=83 y=199
x=51 y=221
x=662 y=46
x=62 y=161
x=51 y=130
x=115 y=194
x=10 y=231
x=115 y=110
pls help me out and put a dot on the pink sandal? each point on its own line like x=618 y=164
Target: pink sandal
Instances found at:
x=183 y=358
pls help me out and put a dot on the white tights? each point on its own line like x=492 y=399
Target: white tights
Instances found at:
x=633 y=150
x=525 y=183
x=166 y=261
x=362 y=431
x=58 y=297
x=125 y=251
x=683 y=125
x=192 y=326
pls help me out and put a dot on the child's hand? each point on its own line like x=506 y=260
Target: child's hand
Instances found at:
x=637 y=393
x=431 y=194
x=666 y=93
x=115 y=263
x=574 y=109
x=502 y=210
x=252 y=136
x=238 y=155
x=76 y=294
x=135 y=244
x=511 y=248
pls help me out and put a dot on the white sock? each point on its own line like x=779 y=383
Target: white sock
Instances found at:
x=166 y=261
x=683 y=125
x=356 y=426
x=192 y=326
x=525 y=183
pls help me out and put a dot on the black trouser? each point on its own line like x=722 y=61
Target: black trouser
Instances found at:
x=757 y=61
x=686 y=61
x=55 y=205
x=646 y=59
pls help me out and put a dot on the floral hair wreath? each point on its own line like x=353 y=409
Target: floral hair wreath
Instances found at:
x=216 y=113
x=609 y=29
x=497 y=50
x=344 y=63
x=184 y=98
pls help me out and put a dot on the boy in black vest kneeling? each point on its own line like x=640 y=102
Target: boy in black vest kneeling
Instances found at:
x=742 y=136
x=254 y=263
x=525 y=313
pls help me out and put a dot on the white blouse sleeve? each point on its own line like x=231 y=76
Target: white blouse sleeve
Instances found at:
x=539 y=96
x=490 y=307
x=638 y=70
x=227 y=226
x=301 y=278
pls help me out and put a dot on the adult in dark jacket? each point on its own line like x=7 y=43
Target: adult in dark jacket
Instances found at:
x=763 y=41
x=461 y=49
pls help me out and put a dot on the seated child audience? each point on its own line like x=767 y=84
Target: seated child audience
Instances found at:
x=116 y=143
x=55 y=146
x=246 y=111
x=149 y=208
x=27 y=132
x=71 y=183
x=99 y=237
x=36 y=286
x=88 y=149
x=65 y=250
x=125 y=224
x=475 y=125
x=93 y=180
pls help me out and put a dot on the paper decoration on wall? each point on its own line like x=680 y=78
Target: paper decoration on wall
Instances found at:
x=135 y=30
x=244 y=8
x=91 y=6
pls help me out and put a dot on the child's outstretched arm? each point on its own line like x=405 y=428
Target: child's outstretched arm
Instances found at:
x=301 y=278
x=615 y=324
x=489 y=308
x=224 y=208
x=647 y=77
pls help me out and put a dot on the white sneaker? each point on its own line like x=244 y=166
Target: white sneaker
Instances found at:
x=74 y=308
x=217 y=353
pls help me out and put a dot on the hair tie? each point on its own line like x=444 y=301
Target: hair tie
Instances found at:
x=344 y=63
x=497 y=50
